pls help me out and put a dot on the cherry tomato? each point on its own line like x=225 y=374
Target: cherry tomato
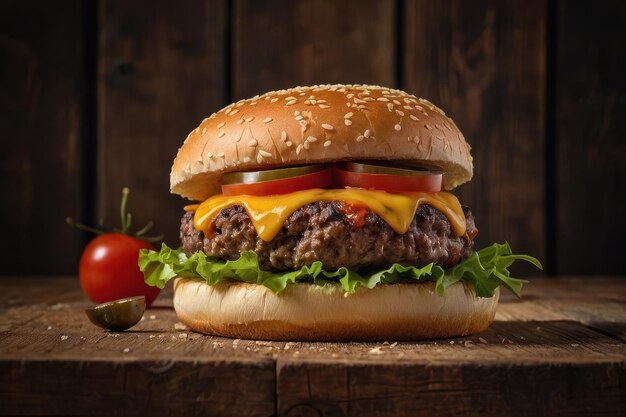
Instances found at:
x=108 y=269
x=390 y=179
x=306 y=181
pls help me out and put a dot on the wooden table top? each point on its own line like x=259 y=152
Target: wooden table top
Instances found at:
x=558 y=350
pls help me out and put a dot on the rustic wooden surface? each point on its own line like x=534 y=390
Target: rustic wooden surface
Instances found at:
x=590 y=129
x=486 y=53
x=161 y=72
x=559 y=350
x=41 y=124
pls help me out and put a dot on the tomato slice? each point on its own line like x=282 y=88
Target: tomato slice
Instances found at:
x=395 y=180
x=317 y=179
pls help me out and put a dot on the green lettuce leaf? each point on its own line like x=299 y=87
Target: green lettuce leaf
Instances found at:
x=485 y=270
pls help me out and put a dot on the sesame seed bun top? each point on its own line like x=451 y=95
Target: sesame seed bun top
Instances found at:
x=325 y=123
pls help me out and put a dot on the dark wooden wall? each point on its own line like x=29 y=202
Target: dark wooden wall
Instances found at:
x=95 y=96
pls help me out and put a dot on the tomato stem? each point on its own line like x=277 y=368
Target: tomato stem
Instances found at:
x=125 y=192
x=82 y=227
x=144 y=229
x=127 y=221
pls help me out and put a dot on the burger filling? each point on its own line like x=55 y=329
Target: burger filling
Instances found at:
x=337 y=235
x=354 y=224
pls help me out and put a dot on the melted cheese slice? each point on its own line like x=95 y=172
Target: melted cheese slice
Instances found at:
x=268 y=213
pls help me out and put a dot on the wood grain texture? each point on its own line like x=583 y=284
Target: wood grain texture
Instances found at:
x=483 y=62
x=157 y=369
x=280 y=44
x=536 y=359
x=154 y=388
x=571 y=299
x=469 y=389
x=591 y=127
x=41 y=97
x=161 y=71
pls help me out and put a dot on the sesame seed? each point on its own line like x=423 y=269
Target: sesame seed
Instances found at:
x=298 y=149
x=348 y=122
x=267 y=120
x=307 y=102
x=367 y=133
x=291 y=102
x=327 y=143
x=222 y=133
x=389 y=106
x=233 y=112
x=203 y=131
x=259 y=158
x=324 y=106
x=265 y=153
x=360 y=138
x=253 y=143
x=290 y=98
x=274 y=100
x=246 y=159
x=427 y=126
x=407 y=107
x=289 y=143
x=348 y=115
x=413 y=117
x=397 y=102
x=299 y=117
x=350 y=95
x=398 y=127
x=306 y=145
x=311 y=139
x=283 y=136
x=254 y=103
x=399 y=112
x=240 y=121
x=327 y=126
x=321 y=101
x=209 y=155
x=382 y=99
x=220 y=154
x=303 y=123
x=221 y=125
x=249 y=119
x=296 y=113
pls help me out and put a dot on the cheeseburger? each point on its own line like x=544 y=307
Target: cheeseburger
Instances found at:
x=324 y=213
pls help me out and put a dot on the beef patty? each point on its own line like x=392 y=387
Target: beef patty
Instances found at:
x=322 y=231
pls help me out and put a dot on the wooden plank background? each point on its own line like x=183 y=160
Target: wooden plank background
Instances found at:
x=98 y=95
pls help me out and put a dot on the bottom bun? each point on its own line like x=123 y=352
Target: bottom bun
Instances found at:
x=309 y=312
